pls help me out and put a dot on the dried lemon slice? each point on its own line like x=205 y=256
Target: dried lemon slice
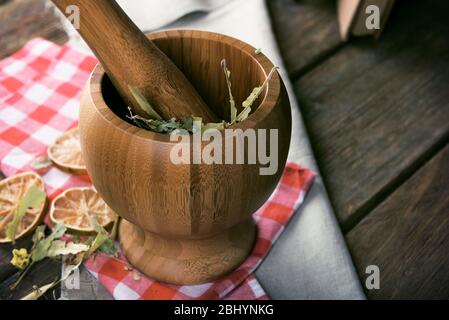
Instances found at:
x=74 y=207
x=65 y=153
x=12 y=191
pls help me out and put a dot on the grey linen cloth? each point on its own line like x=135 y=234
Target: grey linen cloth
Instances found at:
x=310 y=260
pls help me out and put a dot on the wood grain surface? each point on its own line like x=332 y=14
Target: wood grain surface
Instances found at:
x=407 y=237
x=22 y=20
x=131 y=59
x=376 y=111
x=307 y=32
x=187 y=212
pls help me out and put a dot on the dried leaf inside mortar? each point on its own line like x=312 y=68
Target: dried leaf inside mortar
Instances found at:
x=233 y=109
x=248 y=103
x=143 y=103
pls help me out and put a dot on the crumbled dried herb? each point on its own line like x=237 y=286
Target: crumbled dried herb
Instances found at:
x=233 y=109
x=161 y=126
x=155 y=122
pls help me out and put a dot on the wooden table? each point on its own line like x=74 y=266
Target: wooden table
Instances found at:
x=378 y=117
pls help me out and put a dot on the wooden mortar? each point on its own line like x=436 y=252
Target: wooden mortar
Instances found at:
x=184 y=224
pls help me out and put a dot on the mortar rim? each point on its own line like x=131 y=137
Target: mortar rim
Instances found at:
x=269 y=102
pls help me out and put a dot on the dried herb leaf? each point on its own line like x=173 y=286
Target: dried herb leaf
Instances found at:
x=233 y=109
x=244 y=114
x=59 y=247
x=247 y=104
x=33 y=198
x=40 y=251
x=195 y=124
x=160 y=126
x=143 y=103
x=38 y=235
x=102 y=241
x=76 y=239
x=187 y=124
x=108 y=247
x=215 y=126
x=114 y=230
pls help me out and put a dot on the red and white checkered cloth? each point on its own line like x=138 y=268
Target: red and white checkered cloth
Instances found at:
x=40 y=88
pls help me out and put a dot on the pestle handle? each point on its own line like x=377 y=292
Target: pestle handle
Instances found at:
x=131 y=59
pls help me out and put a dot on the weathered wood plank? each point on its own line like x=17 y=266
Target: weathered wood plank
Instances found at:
x=407 y=237
x=306 y=31
x=376 y=111
x=42 y=273
x=23 y=20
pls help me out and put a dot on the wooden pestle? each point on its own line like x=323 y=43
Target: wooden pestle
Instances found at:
x=131 y=59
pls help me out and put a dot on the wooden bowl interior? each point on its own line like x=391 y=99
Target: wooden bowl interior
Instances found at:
x=199 y=59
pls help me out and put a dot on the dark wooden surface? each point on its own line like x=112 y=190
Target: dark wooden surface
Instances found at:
x=306 y=30
x=378 y=116
x=378 y=110
x=407 y=236
x=22 y=20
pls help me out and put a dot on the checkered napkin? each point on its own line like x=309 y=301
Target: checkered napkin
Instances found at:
x=40 y=88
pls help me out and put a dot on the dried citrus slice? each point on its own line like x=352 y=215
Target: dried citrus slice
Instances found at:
x=65 y=153
x=75 y=206
x=12 y=191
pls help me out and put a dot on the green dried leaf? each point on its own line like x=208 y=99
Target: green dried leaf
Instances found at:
x=114 y=230
x=61 y=248
x=33 y=198
x=76 y=238
x=216 y=126
x=38 y=235
x=160 y=126
x=108 y=247
x=233 y=109
x=102 y=241
x=165 y=127
x=244 y=114
x=247 y=104
x=195 y=124
x=187 y=124
x=98 y=242
x=40 y=251
x=143 y=103
x=89 y=240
